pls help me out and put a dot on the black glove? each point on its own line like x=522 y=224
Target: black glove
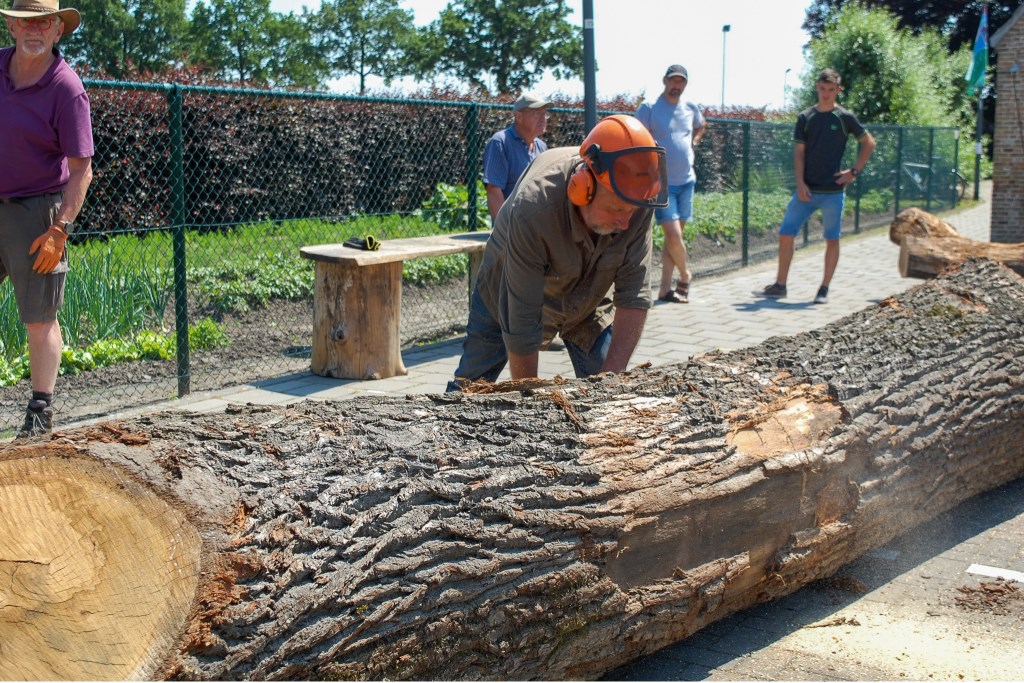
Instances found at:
x=369 y=244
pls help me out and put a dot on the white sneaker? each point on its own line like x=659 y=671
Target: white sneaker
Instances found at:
x=822 y=296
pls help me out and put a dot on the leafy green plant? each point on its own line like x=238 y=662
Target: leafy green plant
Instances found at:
x=13 y=337
x=207 y=334
x=110 y=351
x=448 y=205
x=875 y=201
x=155 y=346
x=13 y=370
x=74 y=361
x=238 y=285
x=108 y=298
x=147 y=344
x=437 y=270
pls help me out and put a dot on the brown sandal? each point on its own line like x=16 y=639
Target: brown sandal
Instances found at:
x=682 y=292
x=673 y=297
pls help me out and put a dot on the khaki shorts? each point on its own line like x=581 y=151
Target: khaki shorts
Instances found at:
x=22 y=220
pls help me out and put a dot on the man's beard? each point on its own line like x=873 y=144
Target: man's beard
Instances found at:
x=604 y=229
x=34 y=47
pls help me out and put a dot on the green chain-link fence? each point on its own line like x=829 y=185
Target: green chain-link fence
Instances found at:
x=185 y=272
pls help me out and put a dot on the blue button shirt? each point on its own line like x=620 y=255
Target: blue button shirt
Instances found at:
x=506 y=157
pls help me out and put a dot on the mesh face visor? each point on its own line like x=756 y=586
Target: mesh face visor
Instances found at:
x=637 y=175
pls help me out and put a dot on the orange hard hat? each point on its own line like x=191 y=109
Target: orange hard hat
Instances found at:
x=624 y=157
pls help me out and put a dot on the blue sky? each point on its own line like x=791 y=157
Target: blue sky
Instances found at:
x=635 y=40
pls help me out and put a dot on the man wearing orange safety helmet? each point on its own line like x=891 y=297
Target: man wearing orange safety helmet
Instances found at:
x=570 y=254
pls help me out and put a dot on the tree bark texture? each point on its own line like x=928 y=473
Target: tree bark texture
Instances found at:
x=547 y=530
x=930 y=245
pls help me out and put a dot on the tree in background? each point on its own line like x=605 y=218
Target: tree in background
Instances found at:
x=509 y=43
x=957 y=20
x=244 y=40
x=206 y=44
x=124 y=37
x=890 y=75
x=294 y=57
x=364 y=37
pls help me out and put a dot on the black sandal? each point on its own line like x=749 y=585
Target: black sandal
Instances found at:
x=673 y=297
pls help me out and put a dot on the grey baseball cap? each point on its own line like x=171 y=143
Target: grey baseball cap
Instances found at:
x=677 y=70
x=530 y=101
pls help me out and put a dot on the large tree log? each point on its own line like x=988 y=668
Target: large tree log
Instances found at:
x=930 y=245
x=552 y=531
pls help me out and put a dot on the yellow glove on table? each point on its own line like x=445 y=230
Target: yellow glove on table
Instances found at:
x=370 y=243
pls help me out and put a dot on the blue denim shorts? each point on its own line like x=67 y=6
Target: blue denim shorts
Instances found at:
x=798 y=212
x=680 y=203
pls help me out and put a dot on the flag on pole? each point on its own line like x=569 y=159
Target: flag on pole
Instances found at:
x=979 y=59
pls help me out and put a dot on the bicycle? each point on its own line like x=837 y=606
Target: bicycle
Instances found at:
x=919 y=176
x=960 y=182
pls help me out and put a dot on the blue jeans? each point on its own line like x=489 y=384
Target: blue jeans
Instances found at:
x=484 y=355
x=797 y=213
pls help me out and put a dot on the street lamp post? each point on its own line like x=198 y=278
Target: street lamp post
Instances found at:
x=785 y=86
x=589 y=77
x=725 y=29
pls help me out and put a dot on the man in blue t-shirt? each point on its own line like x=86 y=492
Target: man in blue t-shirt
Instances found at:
x=678 y=126
x=820 y=135
x=510 y=151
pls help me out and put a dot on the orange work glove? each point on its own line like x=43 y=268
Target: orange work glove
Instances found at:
x=50 y=246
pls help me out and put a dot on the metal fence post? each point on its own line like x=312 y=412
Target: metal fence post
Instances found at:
x=929 y=188
x=472 y=165
x=746 y=193
x=178 y=216
x=956 y=168
x=856 y=205
x=857 y=193
x=898 y=177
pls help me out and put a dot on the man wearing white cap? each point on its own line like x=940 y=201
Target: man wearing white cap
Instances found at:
x=510 y=150
x=46 y=138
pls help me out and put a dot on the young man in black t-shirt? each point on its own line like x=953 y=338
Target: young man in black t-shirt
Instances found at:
x=821 y=134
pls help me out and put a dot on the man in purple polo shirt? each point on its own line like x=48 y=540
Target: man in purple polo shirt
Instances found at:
x=510 y=150
x=45 y=169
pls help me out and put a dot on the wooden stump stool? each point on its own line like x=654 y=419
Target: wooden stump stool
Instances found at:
x=357 y=302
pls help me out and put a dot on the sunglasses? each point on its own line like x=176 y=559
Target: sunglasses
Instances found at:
x=40 y=23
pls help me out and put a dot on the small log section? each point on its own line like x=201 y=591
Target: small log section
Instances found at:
x=548 y=530
x=929 y=245
x=357 y=302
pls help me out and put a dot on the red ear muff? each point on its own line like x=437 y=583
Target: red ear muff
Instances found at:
x=582 y=186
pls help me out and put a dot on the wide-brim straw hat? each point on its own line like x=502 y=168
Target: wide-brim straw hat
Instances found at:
x=26 y=9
